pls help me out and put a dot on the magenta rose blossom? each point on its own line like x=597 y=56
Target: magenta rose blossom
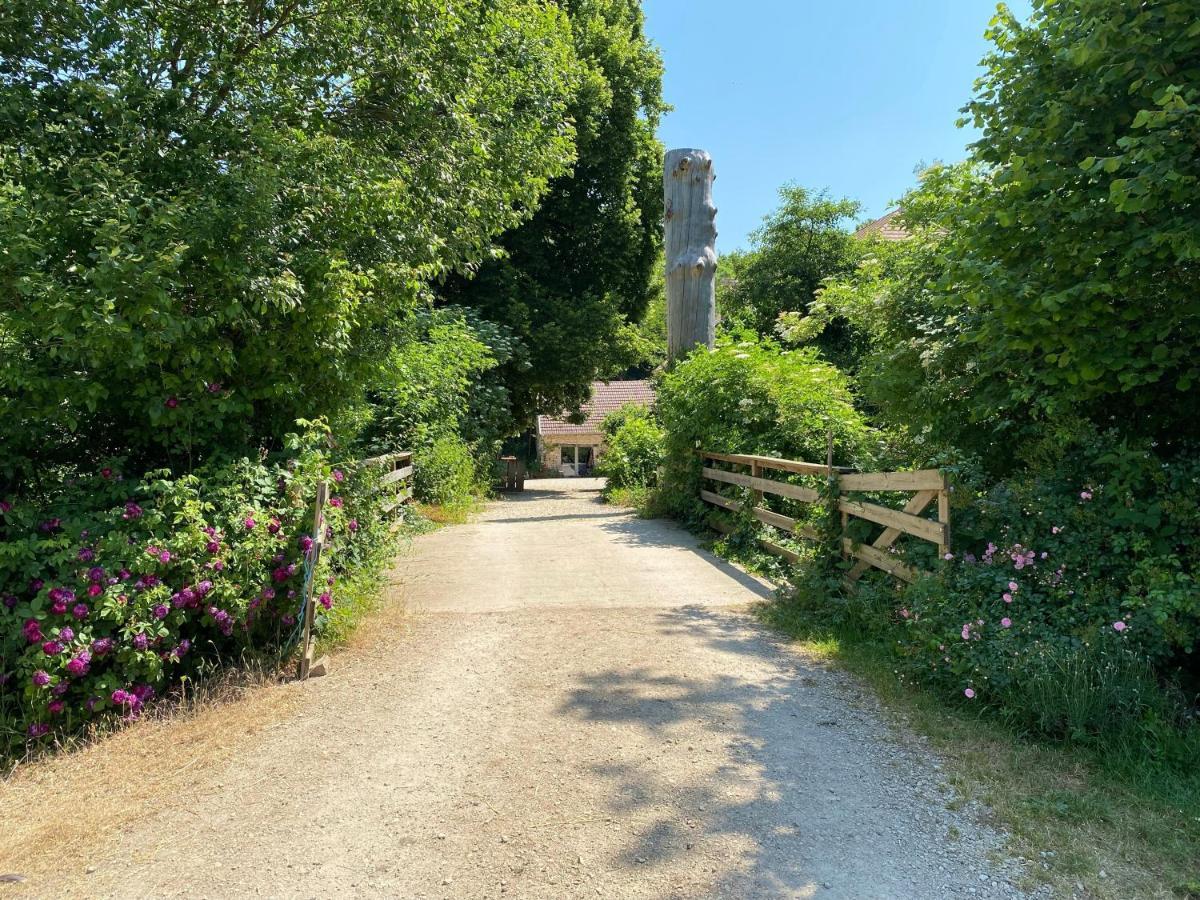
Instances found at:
x=40 y=678
x=79 y=663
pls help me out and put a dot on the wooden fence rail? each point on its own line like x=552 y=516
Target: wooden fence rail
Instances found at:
x=926 y=485
x=398 y=478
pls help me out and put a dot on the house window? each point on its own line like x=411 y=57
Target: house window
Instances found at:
x=575 y=459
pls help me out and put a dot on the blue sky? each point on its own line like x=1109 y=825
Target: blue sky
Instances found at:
x=849 y=95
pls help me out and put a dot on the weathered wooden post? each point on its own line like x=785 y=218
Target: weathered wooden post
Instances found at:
x=305 y=664
x=690 y=241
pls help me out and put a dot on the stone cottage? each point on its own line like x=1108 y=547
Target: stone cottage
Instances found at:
x=571 y=449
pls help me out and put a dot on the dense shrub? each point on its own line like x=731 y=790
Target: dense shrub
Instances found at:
x=116 y=587
x=751 y=396
x=634 y=448
x=445 y=472
x=1072 y=587
x=1035 y=334
x=439 y=380
x=1079 y=249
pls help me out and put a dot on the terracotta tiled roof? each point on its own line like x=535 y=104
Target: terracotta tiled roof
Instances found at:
x=887 y=227
x=607 y=396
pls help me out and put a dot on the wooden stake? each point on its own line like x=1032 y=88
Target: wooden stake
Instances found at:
x=318 y=537
x=944 y=518
x=690 y=238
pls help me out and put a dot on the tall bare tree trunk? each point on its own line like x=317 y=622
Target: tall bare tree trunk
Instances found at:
x=690 y=242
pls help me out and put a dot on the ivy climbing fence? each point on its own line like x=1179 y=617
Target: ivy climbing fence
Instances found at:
x=853 y=493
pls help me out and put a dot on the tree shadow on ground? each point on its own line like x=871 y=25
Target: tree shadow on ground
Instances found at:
x=753 y=753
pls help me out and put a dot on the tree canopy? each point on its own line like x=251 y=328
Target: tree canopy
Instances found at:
x=799 y=245
x=574 y=276
x=1078 y=246
x=213 y=214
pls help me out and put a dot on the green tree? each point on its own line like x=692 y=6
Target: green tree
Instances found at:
x=215 y=214
x=798 y=246
x=1079 y=247
x=579 y=270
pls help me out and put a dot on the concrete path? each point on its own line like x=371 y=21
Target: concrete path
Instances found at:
x=579 y=706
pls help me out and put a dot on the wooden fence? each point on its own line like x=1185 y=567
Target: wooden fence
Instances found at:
x=926 y=486
x=397 y=482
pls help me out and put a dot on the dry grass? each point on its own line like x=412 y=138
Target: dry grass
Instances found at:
x=60 y=808
x=457 y=513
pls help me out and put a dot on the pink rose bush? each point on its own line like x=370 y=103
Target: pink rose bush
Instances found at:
x=1070 y=598
x=100 y=633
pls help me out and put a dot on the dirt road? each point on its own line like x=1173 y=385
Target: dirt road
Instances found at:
x=579 y=706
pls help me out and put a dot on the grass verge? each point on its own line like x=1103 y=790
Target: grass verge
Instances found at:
x=59 y=807
x=1090 y=822
x=646 y=502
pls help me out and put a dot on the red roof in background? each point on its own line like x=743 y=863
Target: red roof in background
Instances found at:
x=887 y=227
x=607 y=397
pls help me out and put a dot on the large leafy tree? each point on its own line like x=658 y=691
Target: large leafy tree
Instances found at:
x=215 y=214
x=799 y=245
x=1078 y=250
x=573 y=276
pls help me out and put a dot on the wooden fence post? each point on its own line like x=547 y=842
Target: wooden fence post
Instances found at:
x=944 y=518
x=318 y=537
x=832 y=478
x=690 y=237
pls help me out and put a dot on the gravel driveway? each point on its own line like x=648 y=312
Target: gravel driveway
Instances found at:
x=578 y=706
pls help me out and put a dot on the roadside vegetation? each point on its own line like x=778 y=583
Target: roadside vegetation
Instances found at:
x=1033 y=337
x=247 y=246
